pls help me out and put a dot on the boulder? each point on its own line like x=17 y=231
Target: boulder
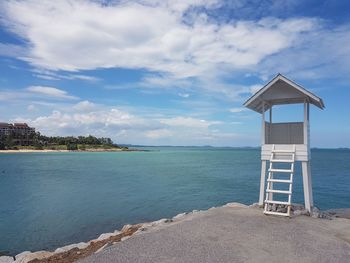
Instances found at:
x=339 y=212
x=6 y=259
x=126 y=227
x=105 y=236
x=296 y=207
x=27 y=257
x=102 y=248
x=315 y=212
x=179 y=216
x=19 y=256
x=125 y=238
x=256 y=205
x=161 y=221
x=301 y=213
x=80 y=245
x=234 y=205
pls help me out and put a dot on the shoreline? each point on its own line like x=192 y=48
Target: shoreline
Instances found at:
x=65 y=151
x=74 y=252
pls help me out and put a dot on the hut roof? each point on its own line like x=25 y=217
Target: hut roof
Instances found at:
x=281 y=90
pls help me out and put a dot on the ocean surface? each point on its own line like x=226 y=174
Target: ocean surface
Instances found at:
x=49 y=200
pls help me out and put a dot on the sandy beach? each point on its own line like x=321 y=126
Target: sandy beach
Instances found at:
x=54 y=151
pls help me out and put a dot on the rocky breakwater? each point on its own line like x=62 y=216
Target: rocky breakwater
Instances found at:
x=74 y=252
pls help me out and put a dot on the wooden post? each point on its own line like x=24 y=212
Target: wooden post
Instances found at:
x=307 y=181
x=263 y=162
x=263 y=124
x=306 y=184
x=262 y=183
x=306 y=124
x=310 y=184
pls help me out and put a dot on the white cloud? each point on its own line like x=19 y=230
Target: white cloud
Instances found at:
x=50 y=92
x=125 y=127
x=184 y=95
x=84 y=106
x=188 y=122
x=159 y=133
x=11 y=50
x=237 y=110
x=323 y=53
x=81 y=35
x=31 y=107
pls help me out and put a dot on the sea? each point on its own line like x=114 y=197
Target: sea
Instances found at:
x=48 y=200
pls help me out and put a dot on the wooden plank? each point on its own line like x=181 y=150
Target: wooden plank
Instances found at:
x=262 y=182
x=276 y=213
x=304 y=166
x=279 y=191
x=301 y=153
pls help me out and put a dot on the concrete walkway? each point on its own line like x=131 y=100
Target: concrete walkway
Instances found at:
x=235 y=234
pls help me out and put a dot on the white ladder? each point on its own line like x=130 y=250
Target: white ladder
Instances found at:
x=270 y=203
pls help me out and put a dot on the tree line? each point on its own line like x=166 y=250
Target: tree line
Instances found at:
x=58 y=140
x=39 y=141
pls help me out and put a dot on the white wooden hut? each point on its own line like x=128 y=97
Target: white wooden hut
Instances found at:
x=283 y=144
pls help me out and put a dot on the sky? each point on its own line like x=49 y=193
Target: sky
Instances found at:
x=153 y=72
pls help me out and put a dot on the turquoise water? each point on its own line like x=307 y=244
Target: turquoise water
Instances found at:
x=49 y=200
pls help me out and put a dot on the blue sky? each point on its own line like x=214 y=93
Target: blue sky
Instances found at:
x=171 y=72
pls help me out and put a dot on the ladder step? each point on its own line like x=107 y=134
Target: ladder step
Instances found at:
x=283 y=151
x=276 y=213
x=280 y=181
x=279 y=191
x=277 y=202
x=274 y=170
x=281 y=161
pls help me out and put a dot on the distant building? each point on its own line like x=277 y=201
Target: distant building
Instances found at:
x=19 y=133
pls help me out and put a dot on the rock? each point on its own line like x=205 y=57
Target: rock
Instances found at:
x=102 y=248
x=125 y=238
x=282 y=209
x=139 y=231
x=297 y=207
x=6 y=259
x=301 y=213
x=179 y=216
x=27 y=257
x=234 y=205
x=273 y=208
x=326 y=215
x=126 y=227
x=339 y=212
x=161 y=221
x=105 y=236
x=315 y=212
x=256 y=205
x=19 y=256
x=80 y=245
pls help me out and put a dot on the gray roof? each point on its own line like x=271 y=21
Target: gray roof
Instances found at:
x=281 y=90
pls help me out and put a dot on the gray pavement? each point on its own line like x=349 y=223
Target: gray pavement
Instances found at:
x=236 y=234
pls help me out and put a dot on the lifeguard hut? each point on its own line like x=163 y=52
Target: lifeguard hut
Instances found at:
x=283 y=144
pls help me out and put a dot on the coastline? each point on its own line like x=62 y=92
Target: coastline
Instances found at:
x=84 y=250
x=64 y=151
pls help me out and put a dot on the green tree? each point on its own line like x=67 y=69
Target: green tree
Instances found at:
x=72 y=147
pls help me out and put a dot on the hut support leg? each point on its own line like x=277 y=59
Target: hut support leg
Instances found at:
x=307 y=185
x=310 y=184
x=262 y=183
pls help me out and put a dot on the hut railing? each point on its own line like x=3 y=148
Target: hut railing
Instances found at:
x=284 y=133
